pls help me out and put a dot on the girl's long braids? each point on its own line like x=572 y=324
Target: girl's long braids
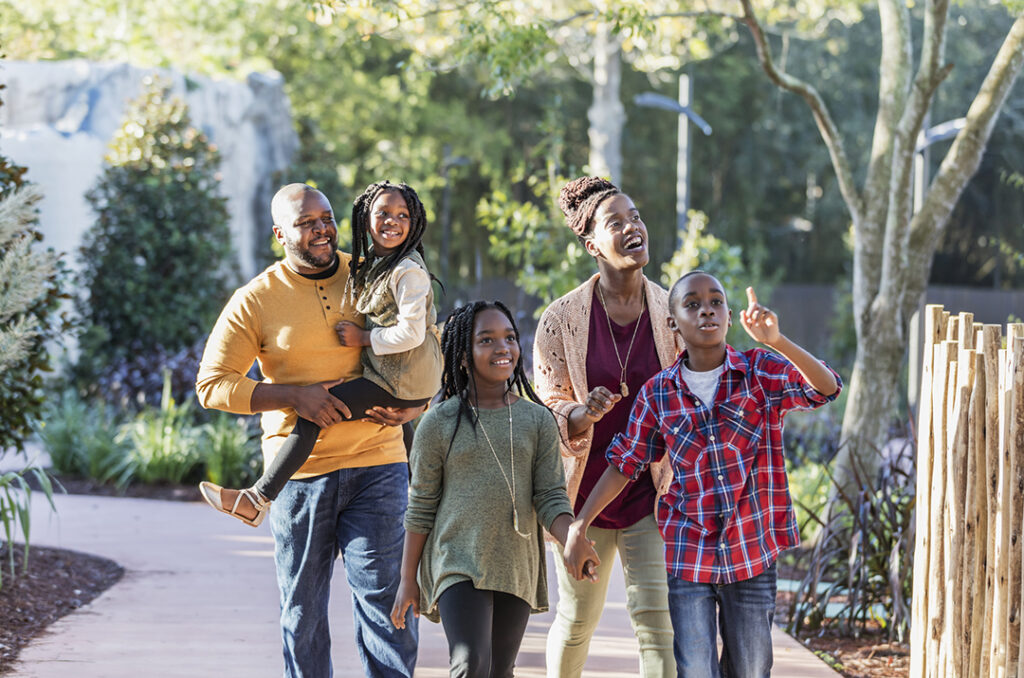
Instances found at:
x=363 y=258
x=457 y=349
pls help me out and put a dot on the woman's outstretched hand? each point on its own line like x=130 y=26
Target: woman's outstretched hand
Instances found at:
x=599 y=402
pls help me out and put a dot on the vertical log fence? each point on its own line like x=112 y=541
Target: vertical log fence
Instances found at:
x=969 y=552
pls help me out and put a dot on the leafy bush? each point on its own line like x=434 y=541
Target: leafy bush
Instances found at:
x=136 y=380
x=164 y=441
x=231 y=450
x=155 y=263
x=81 y=439
x=30 y=292
x=726 y=262
x=862 y=553
x=548 y=259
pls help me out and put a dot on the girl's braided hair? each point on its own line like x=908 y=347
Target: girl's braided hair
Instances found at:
x=363 y=257
x=457 y=349
x=579 y=199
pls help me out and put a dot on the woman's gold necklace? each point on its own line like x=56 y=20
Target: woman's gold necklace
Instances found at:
x=512 y=460
x=623 y=389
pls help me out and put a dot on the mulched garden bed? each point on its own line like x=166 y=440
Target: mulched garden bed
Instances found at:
x=57 y=582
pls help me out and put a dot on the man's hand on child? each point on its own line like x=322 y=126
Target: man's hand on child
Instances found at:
x=350 y=334
x=760 y=323
x=408 y=595
x=598 y=403
x=315 y=403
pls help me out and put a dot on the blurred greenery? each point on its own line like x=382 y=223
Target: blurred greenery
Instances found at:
x=31 y=291
x=163 y=442
x=81 y=440
x=231 y=451
x=155 y=264
x=449 y=102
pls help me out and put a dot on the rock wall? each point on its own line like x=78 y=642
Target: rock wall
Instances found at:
x=59 y=116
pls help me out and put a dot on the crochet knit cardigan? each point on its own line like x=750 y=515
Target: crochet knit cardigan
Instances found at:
x=560 y=371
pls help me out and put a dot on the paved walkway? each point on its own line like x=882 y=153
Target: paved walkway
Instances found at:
x=198 y=600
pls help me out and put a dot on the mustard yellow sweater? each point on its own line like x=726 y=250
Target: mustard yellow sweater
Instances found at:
x=286 y=323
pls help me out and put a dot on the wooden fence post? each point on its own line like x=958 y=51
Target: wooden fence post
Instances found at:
x=991 y=339
x=922 y=547
x=977 y=520
x=937 y=646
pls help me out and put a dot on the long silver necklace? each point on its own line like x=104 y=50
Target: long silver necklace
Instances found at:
x=511 y=485
x=623 y=389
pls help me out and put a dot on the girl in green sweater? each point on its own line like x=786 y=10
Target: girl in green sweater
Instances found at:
x=486 y=477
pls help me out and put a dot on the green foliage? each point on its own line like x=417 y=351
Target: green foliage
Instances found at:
x=155 y=262
x=231 y=451
x=30 y=294
x=15 y=505
x=165 y=444
x=164 y=441
x=81 y=440
x=701 y=250
x=864 y=549
x=531 y=236
x=842 y=342
x=809 y=486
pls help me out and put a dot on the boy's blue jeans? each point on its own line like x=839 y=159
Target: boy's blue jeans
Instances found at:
x=744 y=611
x=358 y=513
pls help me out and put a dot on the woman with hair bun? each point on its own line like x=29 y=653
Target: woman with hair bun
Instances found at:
x=595 y=347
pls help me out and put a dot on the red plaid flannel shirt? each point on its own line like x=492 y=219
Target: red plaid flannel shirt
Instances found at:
x=727 y=513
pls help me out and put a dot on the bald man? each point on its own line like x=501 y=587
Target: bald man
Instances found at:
x=350 y=495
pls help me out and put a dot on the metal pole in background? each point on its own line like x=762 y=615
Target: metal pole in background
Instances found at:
x=683 y=160
x=686 y=115
x=915 y=349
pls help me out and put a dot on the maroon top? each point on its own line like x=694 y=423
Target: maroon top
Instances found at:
x=637 y=500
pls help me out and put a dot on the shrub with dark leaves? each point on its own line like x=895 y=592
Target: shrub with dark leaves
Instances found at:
x=858 y=573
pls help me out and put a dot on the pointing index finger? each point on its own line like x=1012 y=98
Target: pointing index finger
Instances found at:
x=751 y=296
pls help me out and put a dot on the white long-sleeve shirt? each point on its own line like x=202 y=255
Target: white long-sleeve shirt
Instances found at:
x=410 y=285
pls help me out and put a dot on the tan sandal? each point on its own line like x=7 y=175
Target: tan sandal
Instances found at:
x=212 y=493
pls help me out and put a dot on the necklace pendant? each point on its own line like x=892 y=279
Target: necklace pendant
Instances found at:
x=623 y=389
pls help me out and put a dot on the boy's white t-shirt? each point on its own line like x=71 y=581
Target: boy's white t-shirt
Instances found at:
x=703 y=384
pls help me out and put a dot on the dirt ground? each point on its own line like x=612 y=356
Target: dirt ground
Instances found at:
x=59 y=582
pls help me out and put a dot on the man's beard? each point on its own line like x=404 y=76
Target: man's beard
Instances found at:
x=307 y=257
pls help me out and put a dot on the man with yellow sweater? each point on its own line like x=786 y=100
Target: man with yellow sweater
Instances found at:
x=350 y=495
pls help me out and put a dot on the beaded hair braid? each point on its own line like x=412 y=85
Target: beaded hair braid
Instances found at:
x=579 y=199
x=457 y=349
x=363 y=258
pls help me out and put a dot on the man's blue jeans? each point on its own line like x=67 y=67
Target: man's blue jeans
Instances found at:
x=744 y=610
x=358 y=513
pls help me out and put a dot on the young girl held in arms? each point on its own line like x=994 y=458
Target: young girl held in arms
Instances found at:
x=391 y=286
x=486 y=476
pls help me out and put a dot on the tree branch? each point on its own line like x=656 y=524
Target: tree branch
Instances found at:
x=829 y=132
x=964 y=156
x=894 y=72
x=896 y=275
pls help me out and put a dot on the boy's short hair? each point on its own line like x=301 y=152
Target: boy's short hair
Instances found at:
x=674 y=292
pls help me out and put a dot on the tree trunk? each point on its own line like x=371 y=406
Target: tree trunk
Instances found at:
x=871 y=397
x=607 y=115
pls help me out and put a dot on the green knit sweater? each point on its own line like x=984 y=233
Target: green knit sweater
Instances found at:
x=459 y=498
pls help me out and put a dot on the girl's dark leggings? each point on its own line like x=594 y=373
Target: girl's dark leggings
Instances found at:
x=360 y=395
x=484 y=630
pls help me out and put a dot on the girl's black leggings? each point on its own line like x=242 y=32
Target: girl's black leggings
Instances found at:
x=360 y=395
x=484 y=630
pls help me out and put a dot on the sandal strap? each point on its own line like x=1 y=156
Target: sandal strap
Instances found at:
x=258 y=501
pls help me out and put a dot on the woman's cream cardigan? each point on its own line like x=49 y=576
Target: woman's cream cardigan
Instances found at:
x=560 y=370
